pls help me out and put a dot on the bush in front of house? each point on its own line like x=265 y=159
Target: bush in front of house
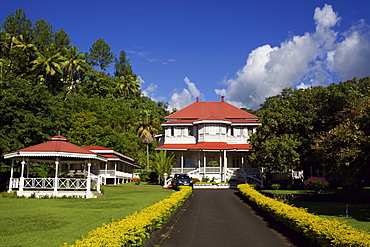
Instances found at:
x=316 y=183
x=275 y=186
x=320 y=231
x=135 y=229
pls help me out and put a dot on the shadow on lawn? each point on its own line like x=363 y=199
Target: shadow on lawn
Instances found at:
x=358 y=211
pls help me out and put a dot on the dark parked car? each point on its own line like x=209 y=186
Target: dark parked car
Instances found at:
x=181 y=180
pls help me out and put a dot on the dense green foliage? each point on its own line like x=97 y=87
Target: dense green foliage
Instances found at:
x=322 y=130
x=47 y=86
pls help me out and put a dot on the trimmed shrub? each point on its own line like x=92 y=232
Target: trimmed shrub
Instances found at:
x=135 y=229
x=275 y=186
x=316 y=184
x=321 y=231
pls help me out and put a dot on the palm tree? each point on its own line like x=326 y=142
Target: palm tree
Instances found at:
x=74 y=62
x=162 y=163
x=49 y=63
x=25 y=44
x=146 y=132
x=128 y=84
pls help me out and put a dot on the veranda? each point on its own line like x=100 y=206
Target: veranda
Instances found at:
x=57 y=152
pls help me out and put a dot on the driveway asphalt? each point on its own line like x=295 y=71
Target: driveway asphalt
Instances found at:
x=221 y=218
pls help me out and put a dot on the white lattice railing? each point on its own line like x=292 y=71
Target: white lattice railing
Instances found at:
x=48 y=183
x=69 y=183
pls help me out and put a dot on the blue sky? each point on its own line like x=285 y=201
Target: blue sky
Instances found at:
x=245 y=50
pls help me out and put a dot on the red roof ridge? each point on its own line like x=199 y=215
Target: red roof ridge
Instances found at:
x=222 y=109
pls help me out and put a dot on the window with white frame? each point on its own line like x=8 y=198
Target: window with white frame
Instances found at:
x=237 y=131
x=212 y=129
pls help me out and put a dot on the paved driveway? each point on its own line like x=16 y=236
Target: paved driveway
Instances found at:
x=221 y=218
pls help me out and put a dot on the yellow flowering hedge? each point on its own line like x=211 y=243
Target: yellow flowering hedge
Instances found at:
x=135 y=229
x=319 y=230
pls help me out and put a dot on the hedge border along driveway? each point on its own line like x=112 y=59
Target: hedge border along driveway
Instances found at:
x=319 y=230
x=135 y=229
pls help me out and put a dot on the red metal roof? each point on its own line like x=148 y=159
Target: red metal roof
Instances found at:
x=206 y=146
x=96 y=147
x=221 y=109
x=57 y=144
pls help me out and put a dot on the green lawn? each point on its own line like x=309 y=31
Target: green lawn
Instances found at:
x=365 y=192
x=52 y=222
x=359 y=213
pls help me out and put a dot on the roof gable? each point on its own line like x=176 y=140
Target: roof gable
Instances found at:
x=57 y=144
x=200 y=110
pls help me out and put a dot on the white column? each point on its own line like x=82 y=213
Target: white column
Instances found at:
x=106 y=171
x=221 y=167
x=182 y=162
x=88 y=182
x=21 y=180
x=115 y=176
x=56 y=182
x=11 y=177
x=98 y=185
x=204 y=163
x=225 y=165
x=243 y=163
x=199 y=161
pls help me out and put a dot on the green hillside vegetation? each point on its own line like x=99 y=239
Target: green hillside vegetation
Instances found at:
x=48 y=86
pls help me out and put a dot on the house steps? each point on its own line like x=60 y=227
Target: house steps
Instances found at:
x=97 y=194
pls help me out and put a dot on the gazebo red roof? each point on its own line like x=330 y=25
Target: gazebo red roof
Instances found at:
x=56 y=146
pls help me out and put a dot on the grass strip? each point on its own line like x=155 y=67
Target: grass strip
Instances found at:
x=320 y=231
x=51 y=222
x=135 y=229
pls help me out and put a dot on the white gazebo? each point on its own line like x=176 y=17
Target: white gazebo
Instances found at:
x=57 y=151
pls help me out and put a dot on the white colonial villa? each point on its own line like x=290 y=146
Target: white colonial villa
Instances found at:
x=211 y=139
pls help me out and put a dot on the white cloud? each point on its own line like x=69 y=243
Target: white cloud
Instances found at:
x=150 y=91
x=169 y=61
x=351 y=57
x=185 y=97
x=302 y=86
x=311 y=59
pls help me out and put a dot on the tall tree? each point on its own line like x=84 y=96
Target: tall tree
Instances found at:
x=43 y=34
x=147 y=130
x=17 y=24
x=163 y=163
x=61 y=41
x=25 y=44
x=128 y=85
x=74 y=62
x=100 y=54
x=49 y=63
x=123 y=66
